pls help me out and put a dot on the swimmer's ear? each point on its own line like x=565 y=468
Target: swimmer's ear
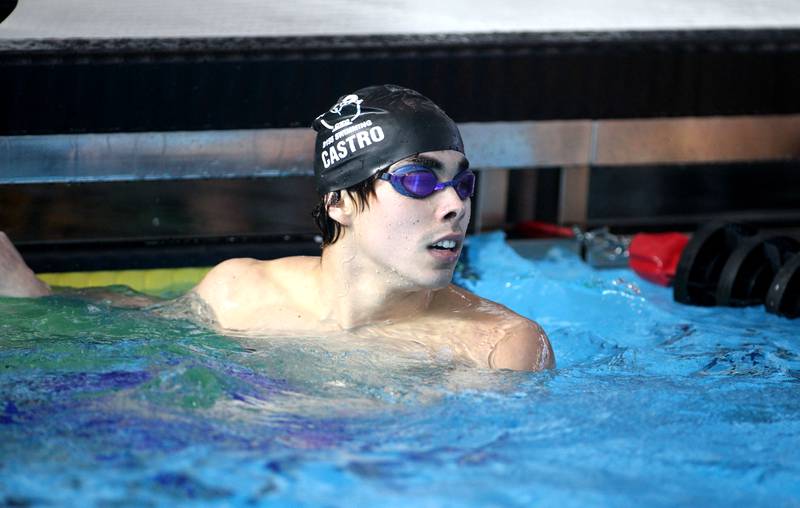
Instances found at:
x=341 y=207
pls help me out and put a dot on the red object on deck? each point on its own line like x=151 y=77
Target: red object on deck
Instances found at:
x=655 y=256
x=539 y=229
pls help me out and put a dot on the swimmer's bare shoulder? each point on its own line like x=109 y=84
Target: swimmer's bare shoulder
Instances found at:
x=524 y=346
x=240 y=291
x=514 y=342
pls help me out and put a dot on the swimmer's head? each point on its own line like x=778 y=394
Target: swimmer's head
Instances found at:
x=363 y=134
x=368 y=130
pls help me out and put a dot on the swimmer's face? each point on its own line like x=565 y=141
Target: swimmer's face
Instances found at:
x=397 y=233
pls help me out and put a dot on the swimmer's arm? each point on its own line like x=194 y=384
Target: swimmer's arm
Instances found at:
x=16 y=278
x=525 y=347
x=124 y=298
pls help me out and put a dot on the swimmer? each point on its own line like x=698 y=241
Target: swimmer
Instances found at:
x=395 y=188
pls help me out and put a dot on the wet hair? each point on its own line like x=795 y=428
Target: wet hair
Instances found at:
x=360 y=193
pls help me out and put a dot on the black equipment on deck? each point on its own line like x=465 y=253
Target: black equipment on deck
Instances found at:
x=734 y=265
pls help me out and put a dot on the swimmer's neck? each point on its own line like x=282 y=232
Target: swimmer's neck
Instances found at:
x=354 y=293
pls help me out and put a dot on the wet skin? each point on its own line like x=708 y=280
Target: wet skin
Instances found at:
x=16 y=279
x=381 y=279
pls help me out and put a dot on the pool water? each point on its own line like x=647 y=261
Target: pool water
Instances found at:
x=651 y=404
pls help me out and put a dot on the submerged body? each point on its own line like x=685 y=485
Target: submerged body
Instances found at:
x=285 y=297
x=288 y=297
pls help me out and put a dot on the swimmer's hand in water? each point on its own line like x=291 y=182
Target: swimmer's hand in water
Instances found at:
x=16 y=278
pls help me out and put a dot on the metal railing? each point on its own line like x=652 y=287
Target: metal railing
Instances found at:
x=493 y=148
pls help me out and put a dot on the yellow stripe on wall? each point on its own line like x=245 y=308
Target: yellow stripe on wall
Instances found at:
x=156 y=281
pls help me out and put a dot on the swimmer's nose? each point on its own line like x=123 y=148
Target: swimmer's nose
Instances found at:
x=451 y=208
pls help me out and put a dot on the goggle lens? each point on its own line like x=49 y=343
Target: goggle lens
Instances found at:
x=465 y=184
x=420 y=182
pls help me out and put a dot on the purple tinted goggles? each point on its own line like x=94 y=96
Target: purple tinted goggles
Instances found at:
x=419 y=182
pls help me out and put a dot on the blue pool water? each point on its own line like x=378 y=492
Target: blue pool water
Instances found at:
x=651 y=404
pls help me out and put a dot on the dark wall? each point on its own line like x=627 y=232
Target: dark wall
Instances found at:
x=73 y=86
x=686 y=194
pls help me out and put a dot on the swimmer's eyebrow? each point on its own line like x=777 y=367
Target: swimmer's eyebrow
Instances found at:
x=437 y=165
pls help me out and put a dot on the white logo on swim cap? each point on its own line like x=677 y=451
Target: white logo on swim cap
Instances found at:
x=349 y=101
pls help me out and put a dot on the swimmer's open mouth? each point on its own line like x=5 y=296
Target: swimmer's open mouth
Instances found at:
x=447 y=244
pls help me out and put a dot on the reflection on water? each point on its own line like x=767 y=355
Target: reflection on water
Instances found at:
x=652 y=404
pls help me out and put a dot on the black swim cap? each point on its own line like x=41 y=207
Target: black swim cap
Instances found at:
x=374 y=127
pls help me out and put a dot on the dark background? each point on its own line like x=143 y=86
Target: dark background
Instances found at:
x=142 y=85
